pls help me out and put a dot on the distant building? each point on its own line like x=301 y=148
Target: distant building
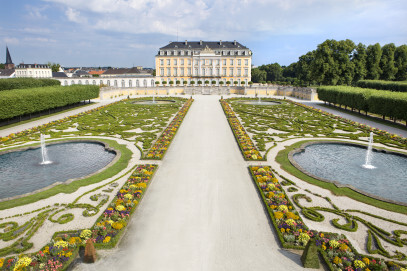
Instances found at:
x=59 y=75
x=126 y=72
x=219 y=61
x=9 y=65
x=7 y=73
x=33 y=70
x=96 y=73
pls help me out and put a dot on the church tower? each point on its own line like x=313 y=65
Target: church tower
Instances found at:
x=9 y=63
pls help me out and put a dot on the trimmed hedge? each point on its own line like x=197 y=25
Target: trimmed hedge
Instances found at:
x=19 y=102
x=21 y=83
x=385 y=103
x=383 y=85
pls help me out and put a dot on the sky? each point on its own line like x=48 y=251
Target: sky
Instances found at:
x=126 y=33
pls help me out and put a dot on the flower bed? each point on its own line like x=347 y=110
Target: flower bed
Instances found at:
x=246 y=145
x=105 y=233
x=290 y=228
x=337 y=251
x=160 y=147
x=110 y=226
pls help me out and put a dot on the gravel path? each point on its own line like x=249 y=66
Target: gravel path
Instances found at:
x=202 y=211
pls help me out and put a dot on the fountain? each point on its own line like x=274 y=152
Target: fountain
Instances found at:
x=368 y=159
x=44 y=154
x=350 y=164
x=21 y=171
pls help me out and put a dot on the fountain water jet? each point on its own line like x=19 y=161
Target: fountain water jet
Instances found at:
x=45 y=159
x=368 y=160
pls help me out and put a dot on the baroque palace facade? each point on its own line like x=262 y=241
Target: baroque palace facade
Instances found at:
x=204 y=61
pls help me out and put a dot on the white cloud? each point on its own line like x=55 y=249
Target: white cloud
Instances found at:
x=36 y=12
x=37 y=30
x=40 y=40
x=9 y=40
x=75 y=16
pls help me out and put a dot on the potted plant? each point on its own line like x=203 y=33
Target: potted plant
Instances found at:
x=250 y=83
x=199 y=82
x=177 y=82
x=221 y=83
x=213 y=82
x=236 y=83
x=228 y=83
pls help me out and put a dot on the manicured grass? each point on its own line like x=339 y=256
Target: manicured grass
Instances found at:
x=282 y=159
x=72 y=187
x=43 y=117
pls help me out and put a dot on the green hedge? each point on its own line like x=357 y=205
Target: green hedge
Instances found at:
x=21 y=83
x=400 y=86
x=19 y=102
x=385 y=103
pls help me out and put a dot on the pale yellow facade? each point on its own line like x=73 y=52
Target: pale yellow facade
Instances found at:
x=205 y=62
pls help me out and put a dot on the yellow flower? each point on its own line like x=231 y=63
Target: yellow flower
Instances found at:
x=107 y=239
x=278 y=215
x=323 y=247
x=1 y=263
x=22 y=263
x=359 y=264
x=366 y=260
x=120 y=208
x=282 y=230
x=61 y=243
x=46 y=249
x=334 y=243
x=283 y=208
x=337 y=260
x=344 y=247
x=86 y=234
x=290 y=222
x=117 y=225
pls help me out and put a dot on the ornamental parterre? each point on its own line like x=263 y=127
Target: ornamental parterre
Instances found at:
x=337 y=251
x=246 y=145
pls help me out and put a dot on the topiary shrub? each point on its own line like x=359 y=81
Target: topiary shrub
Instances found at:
x=309 y=257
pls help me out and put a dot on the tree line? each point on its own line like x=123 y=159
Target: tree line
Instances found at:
x=339 y=63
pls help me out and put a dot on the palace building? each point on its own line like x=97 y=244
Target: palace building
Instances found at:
x=204 y=61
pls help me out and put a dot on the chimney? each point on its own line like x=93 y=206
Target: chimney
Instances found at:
x=200 y=42
x=234 y=42
x=186 y=42
x=220 y=43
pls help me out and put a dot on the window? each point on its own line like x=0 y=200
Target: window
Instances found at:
x=175 y=62
x=231 y=62
x=182 y=62
x=152 y=82
x=246 y=72
x=175 y=72
x=101 y=82
x=168 y=71
x=162 y=72
x=130 y=83
x=94 y=82
x=137 y=83
x=196 y=71
x=239 y=73
x=182 y=71
x=80 y=82
x=123 y=84
x=224 y=62
x=87 y=82
x=217 y=72
x=115 y=83
x=162 y=62
x=145 y=82
x=203 y=72
x=231 y=72
x=246 y=62
x=189 y=61
x=210 y=62
x=239 y=62
x=189 y=71
x=210 y=72
x=224 y=71
x=168 y=62
x=217 y=62
x=65 y=83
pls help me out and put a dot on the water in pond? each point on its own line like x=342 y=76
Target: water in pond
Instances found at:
x=153 y=102
x=259 y=102
x=21 y=172
x=344 y=163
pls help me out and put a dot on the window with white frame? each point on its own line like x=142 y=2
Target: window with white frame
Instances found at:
x=168 y=71
x=175 y=61
x=239 y=62
x=168 y=61
x=162 y=72
x=231 y=72
x=224 y=62
x=224 y=72
x=189 y=61
x=182 y=71
x=239 y=73
x=175 y=72
x=182 y=62
x=161 y=62
x=231 y=62
x=246 y=62
x=189 y=71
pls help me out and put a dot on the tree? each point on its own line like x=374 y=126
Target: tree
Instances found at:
x=54 y=66
x=185 y=82
x=157 y=82
x=2 y=66
x=373 y=56
x=228 y=83
x=213 y=82
x=192 y=82
x=387 y=64
x=221 y=83
x=250 y=83
x=206 y=82
x=164 y=83
x=258 y=75
x=199 y=82
x=154 y=72
x=236 y=83
x=304 y=67
x=177 y=82
x=400 y=59
x=359 y=61
x=171 y=82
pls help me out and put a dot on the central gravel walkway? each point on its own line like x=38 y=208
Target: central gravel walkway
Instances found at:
x=202 y=211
